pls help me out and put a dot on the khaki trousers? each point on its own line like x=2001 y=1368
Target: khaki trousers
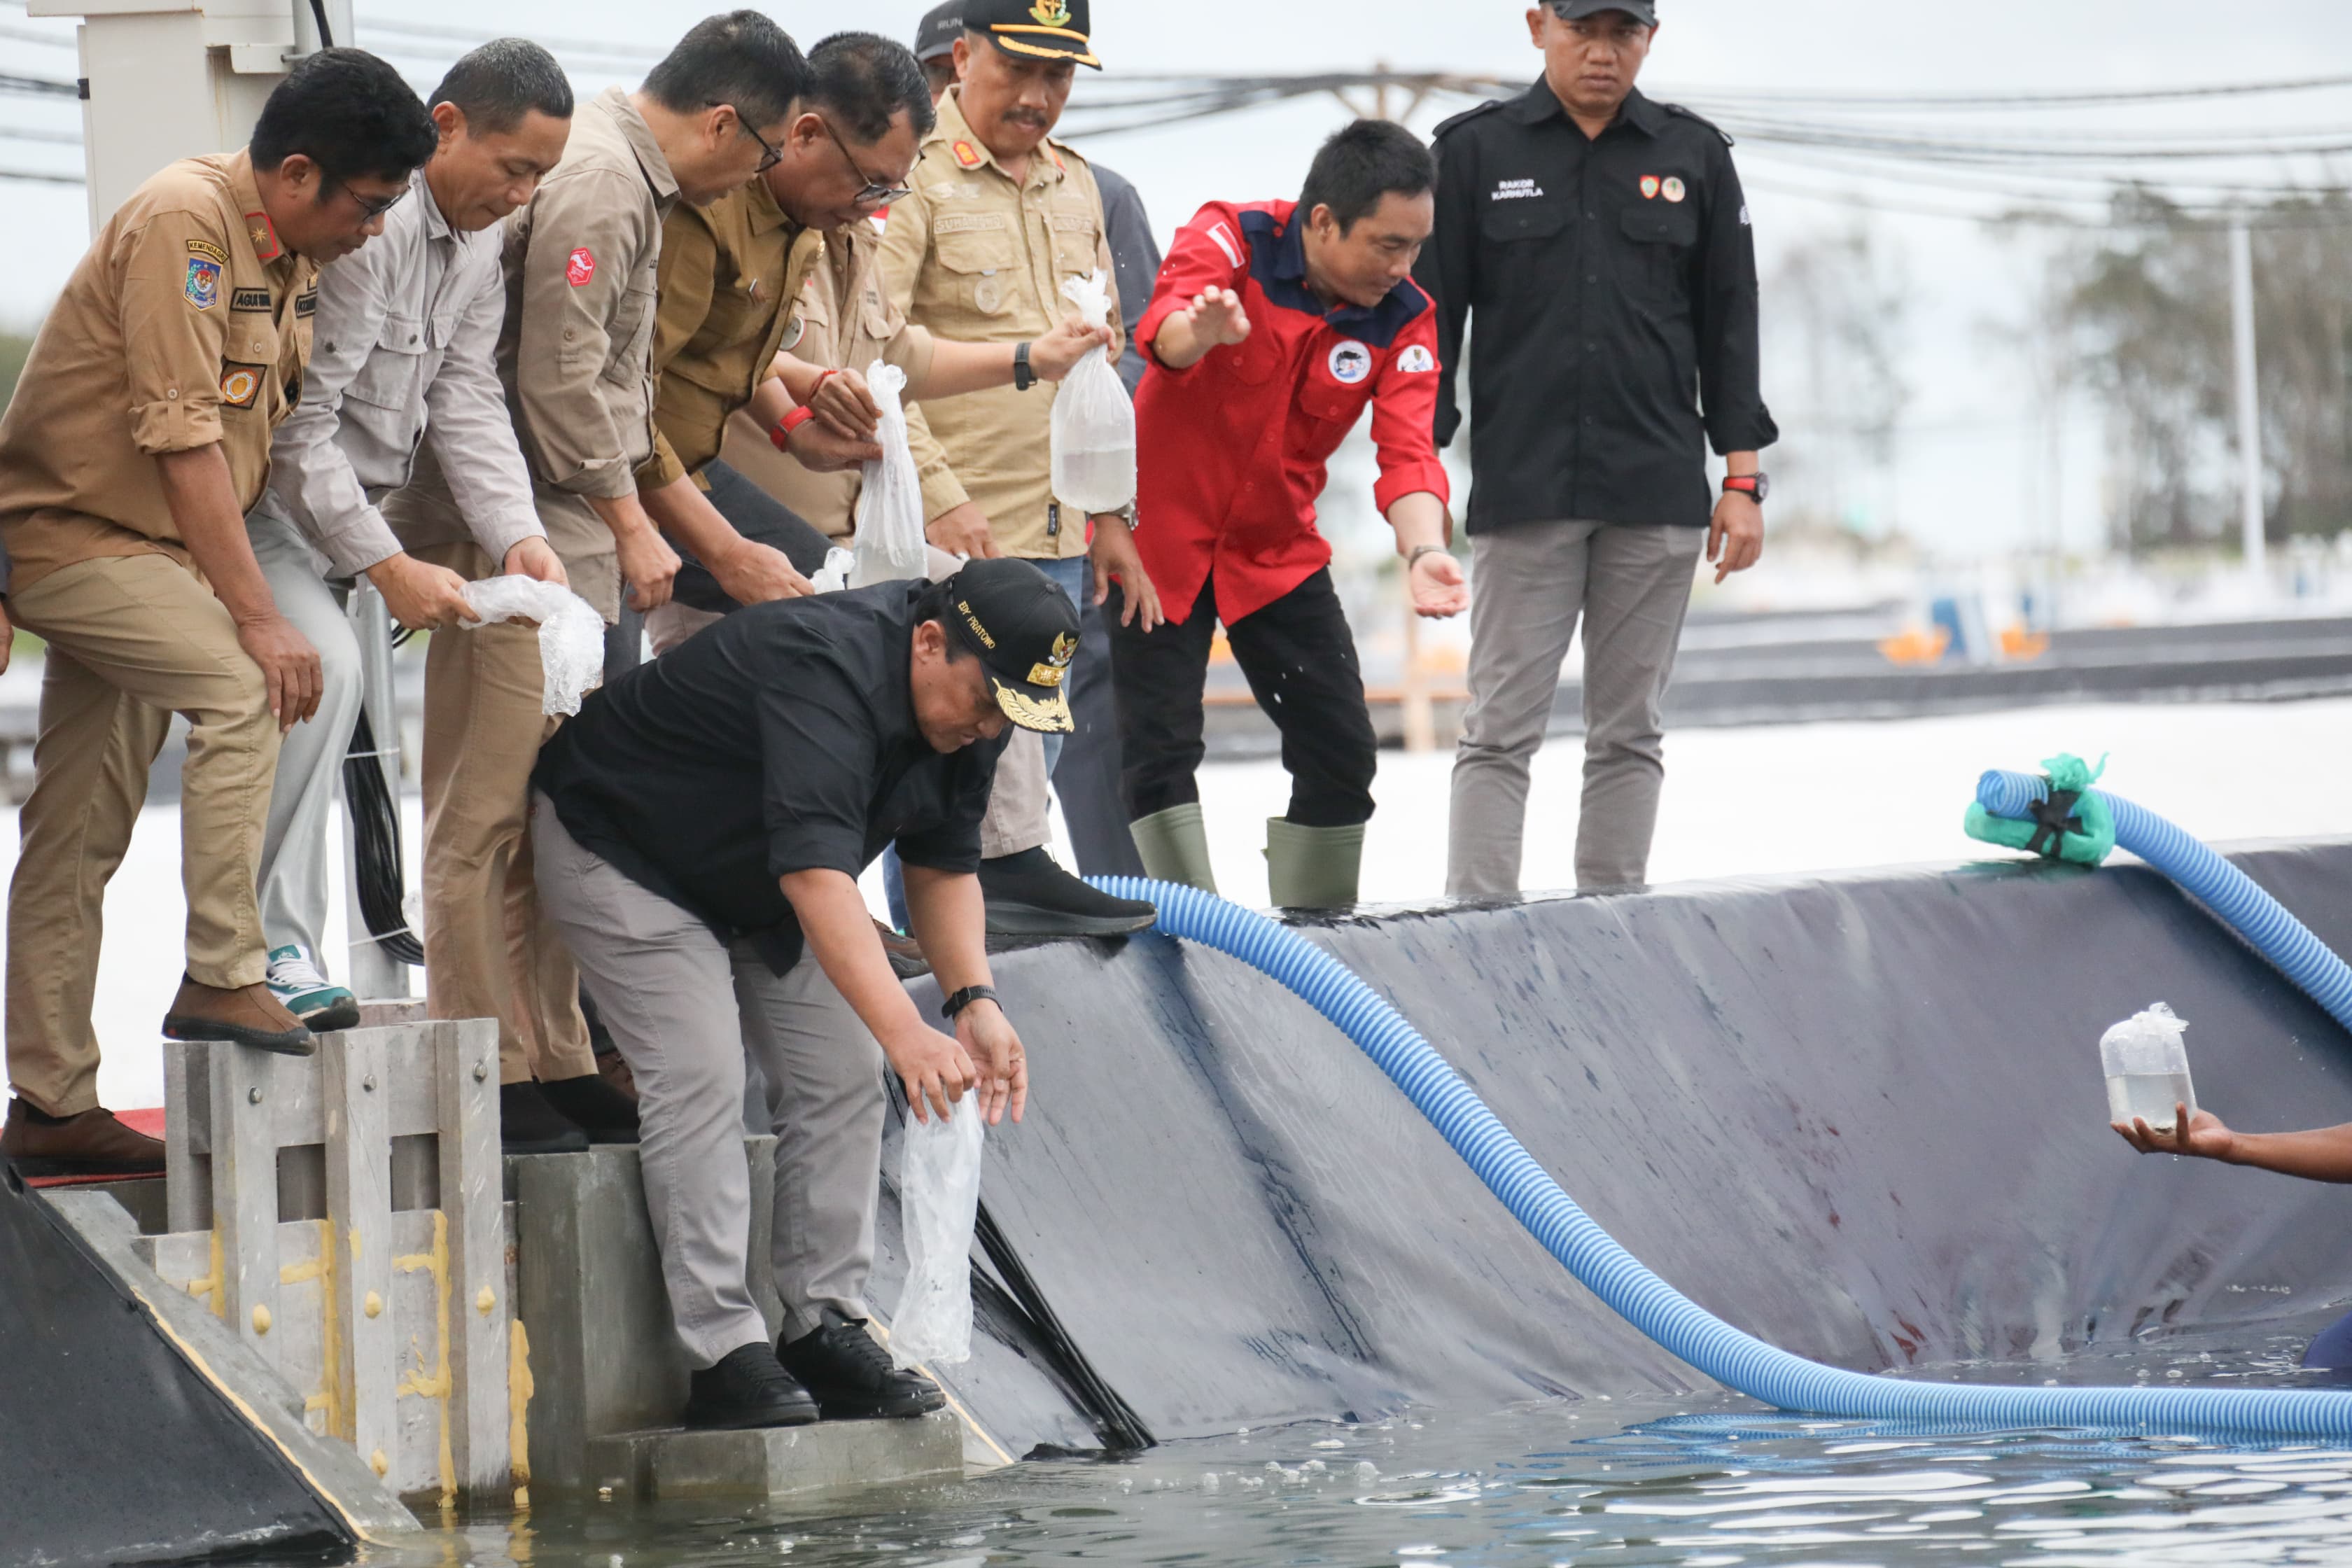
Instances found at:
x=1632 y=587
x=131 y=640
x=490 y=951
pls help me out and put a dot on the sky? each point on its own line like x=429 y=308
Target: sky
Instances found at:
x=1972 y=473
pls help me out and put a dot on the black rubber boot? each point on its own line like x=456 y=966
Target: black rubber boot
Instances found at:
x=1029 y=895
x=748 y=1388
x=852 y=1377
x=527 y=1124
x=591 y=1103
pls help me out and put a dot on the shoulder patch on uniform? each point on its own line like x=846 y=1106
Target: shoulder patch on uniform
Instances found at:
x=967 y=155
x=1472 y=112
x=580 y=268
x=1696 y=119
x=206 y=248
x=251 y=300
x=1222 y=238
x=264 y=236
x=1416 y=359
x=306 y=303
x=203 y=285
x=240 y=384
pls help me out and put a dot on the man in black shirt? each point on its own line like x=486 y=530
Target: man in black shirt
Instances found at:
x=1600 y=243
x=700 y=830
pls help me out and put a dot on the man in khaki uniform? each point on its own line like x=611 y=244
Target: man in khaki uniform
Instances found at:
x=138 y=438
x=1000 y=216
x=576 y=358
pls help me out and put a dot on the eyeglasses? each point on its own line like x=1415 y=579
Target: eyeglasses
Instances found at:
x=770 y=156
x=370 y=207
x=874 y=193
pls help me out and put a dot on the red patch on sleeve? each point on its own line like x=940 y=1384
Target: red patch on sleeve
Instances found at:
x=580 y=268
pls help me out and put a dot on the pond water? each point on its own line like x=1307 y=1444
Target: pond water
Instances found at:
x=1705 y=1482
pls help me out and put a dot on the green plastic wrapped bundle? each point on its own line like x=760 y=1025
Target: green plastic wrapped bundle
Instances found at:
x=2074 y=823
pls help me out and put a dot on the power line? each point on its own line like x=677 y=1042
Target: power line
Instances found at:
x=32 y=176
x=55 y=138
x=38 y=86
x=35 y=35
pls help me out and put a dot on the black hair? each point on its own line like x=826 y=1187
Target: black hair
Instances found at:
x=938 y=604
x=1363 y=163
x=741 y=58
x=499 y=83
x=350 y=113
x=863 y=79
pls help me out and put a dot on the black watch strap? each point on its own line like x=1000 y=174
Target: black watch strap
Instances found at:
x=953 y=1008
x=1024 y=377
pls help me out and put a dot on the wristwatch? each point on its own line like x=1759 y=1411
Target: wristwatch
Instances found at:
x=953 y=1007
x=1756 y=485
x=1024 y=377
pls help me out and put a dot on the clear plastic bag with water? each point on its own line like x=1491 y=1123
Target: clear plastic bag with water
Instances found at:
x=1094 y=421
x=939 y=1200
x=571 y=634
x=890 y=544
x=2148 y=1068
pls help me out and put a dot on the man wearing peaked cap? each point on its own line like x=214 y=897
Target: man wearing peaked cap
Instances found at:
x=700 y=830
x=1042 y=29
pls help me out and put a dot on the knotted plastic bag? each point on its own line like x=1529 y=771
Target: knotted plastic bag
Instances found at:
x=571 y=634
x=938 y=1199
x=1094 y=423
x=834 y=575
x=889 y=546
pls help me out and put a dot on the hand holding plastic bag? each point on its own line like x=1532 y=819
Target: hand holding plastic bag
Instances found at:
x=571 y=634
x=939 y=1200
x=889 y=546
x=1094 y=423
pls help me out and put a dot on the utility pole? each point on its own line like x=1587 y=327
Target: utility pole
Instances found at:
x=2249 y=411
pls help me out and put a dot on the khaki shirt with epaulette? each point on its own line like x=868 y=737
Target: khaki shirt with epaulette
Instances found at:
x=844 y=321
x=729 y=275
x=187 y=324
x=978 y=258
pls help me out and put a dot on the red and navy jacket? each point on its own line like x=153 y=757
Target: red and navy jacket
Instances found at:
x=1231 y=453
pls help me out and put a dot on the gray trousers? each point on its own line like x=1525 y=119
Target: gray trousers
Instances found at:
x=1632 y=587
x=687 y=1013
x=293 y=878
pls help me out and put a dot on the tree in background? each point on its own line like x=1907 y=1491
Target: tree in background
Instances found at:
x=1835 y=317
x=2147 y=302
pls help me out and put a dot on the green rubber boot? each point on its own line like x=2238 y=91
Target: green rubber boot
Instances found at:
x=1312 y=868
x=1174 y=844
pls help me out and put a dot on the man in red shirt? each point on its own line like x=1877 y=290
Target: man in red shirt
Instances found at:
x=1272 y=326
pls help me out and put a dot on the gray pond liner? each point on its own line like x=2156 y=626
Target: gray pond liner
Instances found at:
x=1860 y=1116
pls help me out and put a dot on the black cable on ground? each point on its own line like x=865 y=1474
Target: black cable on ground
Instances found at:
x=375 y=846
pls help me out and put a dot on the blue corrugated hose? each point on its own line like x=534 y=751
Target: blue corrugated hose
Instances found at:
x=1738 y=1360
x=2221 y=886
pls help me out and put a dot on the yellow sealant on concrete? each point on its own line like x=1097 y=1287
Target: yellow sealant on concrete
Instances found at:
x=261 y=1319
x=435 y=1386
x=333 y=1376
x=239 y=1402
x=519 y=1388
x=210 y=1285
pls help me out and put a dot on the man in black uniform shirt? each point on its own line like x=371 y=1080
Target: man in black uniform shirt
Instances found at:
x=1599 y=242
x=700 y=830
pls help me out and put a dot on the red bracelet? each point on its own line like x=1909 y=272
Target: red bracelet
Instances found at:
x=781 y=436
x=822 y=376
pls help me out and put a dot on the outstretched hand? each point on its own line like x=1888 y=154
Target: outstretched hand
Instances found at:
x=2201 y=1135
x=1217 y=318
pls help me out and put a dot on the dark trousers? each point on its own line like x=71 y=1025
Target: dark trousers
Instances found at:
x=757 y=516
x=1086 y=777
x=1300 y=658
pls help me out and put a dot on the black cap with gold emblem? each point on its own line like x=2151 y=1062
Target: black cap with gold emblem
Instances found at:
x=1040 y=29
x=1025 y=631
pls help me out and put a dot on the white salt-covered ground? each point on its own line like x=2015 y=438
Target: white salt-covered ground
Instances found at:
x=1739 y=802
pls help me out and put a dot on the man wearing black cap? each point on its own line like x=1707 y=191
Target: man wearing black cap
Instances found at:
x=700 y=830
x=1601 y=243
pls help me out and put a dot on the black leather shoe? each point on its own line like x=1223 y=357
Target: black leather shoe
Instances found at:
x=748 y=1388
x=852 y=1377
x=527 y=1124
x=1029 y=895
x=591 y=1103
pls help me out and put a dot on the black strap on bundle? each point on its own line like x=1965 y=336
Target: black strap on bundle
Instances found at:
x=2053 y=819
x=375 y=848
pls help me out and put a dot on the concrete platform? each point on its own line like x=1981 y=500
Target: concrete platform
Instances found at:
x=779 y=1462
